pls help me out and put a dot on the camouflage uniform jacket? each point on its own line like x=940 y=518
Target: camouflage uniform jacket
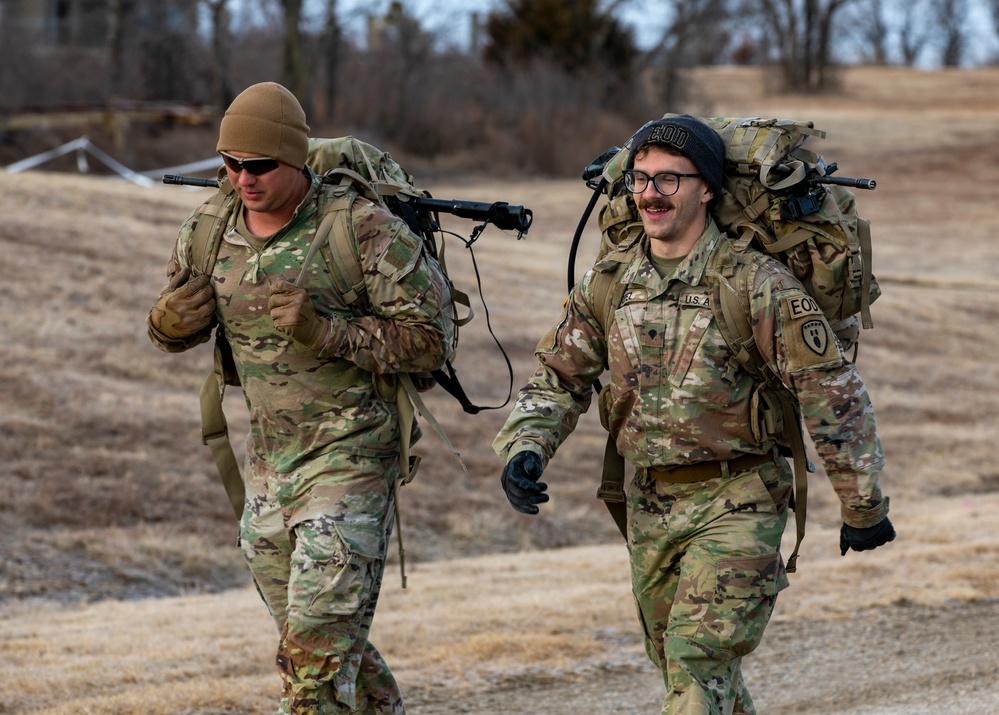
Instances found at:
x=303 y=403
x=673 y=399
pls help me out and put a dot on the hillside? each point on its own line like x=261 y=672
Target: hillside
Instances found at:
x=107 y=494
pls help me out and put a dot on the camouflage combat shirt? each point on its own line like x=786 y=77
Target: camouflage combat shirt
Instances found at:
x=673 y=399
x=303 y=403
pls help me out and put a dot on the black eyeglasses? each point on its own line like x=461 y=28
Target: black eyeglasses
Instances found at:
x=667 y=183
x=255 y=165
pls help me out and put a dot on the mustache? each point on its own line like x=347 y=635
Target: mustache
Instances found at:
x=658 y=203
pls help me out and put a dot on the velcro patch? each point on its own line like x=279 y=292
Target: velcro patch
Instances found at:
x=695 y=300
x=808 y=340
x=799 y=306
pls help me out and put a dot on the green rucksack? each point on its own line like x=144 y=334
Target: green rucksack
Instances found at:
x=349 y=168
x=782 y=200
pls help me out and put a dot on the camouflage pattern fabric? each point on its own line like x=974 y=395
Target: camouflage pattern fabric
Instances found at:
x=323 y=445
x=706 y=571
x=316 y=542
x=706 y=565
x=672 y=397
x=302 y=403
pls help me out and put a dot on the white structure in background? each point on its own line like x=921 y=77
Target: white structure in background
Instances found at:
x=83 y=146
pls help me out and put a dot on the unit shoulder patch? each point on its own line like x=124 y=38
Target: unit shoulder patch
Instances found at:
x=808 y=340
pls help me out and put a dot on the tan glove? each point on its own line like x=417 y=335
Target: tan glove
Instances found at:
x=185 y=307
x=294 y=315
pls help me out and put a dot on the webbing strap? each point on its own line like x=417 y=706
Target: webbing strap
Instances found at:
x=866 y=255
x=799 y=235
x=409 y=390
x=406 y=398
x=407 y=469
x=792 y=435
x=215 y=434
x=206 y=235
x=798 y=171
x=611 y=489
x=398 y=529
x=733 y=319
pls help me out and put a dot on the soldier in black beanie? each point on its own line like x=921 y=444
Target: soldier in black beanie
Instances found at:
x=690 y=137
x=707 y=505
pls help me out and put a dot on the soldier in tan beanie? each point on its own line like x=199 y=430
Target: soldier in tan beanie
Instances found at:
x=323 y=448
x=266 y=120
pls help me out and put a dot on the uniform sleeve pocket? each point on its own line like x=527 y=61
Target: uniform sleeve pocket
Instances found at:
x=401 y=255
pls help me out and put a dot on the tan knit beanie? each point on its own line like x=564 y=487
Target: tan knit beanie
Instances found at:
x=266 y=119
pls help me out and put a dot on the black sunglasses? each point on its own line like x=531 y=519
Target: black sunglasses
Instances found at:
x=254 y=166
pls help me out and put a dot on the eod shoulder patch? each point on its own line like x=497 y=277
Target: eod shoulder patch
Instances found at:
x=808 y=340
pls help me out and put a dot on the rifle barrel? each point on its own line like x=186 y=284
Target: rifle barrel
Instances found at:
x=189 y=181
x=868 y=184
x=500 y=213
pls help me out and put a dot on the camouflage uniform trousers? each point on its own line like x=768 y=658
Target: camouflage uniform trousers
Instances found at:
x=706 y=571
x=316 y=541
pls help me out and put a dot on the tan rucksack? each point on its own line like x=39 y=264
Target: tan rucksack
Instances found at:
x=780 y=199
x=349 y=167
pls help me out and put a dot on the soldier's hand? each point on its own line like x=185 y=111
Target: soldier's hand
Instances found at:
x=185 y=306
x=520 y=482
x=850 y=537
x=294 y=315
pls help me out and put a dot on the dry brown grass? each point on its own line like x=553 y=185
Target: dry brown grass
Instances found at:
x=106 y=492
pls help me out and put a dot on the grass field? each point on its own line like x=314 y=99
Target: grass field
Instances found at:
x=120 y=587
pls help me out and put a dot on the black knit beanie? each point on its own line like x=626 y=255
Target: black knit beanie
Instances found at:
x=692 y=138
x=266 y=119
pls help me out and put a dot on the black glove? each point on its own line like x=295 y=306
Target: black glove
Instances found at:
x=520 y=482
x=850 y=537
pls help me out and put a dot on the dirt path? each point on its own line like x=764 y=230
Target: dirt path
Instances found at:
x=903 y=660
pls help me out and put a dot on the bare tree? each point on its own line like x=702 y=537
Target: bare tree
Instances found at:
x=951 y=18
x=994 y=7
x=331 y=49
x=696 y=35
x=119 y=12
x=293 y=66
x=803 y=30
x=913 y=32
x=872 y=31
x=221 y=89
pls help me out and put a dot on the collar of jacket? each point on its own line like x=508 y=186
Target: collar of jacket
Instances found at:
x=692 y=270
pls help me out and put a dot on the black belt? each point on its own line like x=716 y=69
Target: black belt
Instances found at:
x=702 y=471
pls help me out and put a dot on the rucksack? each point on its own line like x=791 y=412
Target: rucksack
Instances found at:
x=348 y=167
x=782 y=200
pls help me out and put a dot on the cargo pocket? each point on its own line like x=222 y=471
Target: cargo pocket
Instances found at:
x=745 y=592
x=338 y=563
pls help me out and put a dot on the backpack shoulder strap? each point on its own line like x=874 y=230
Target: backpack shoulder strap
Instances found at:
x=606 y=293
x=215 y=435
x=210 y=221
x=606 y=287
x=333 y=232
x=734 y=272
x=336 y=234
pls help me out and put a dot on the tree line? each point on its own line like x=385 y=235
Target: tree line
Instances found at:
x=537 y=71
